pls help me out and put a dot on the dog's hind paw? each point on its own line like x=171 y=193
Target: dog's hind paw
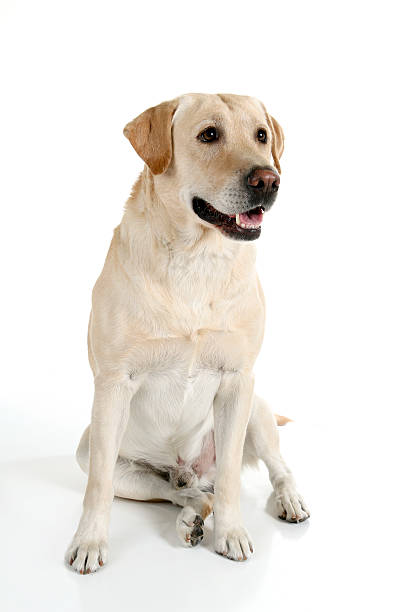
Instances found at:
x=289 y=506
x=190 y=527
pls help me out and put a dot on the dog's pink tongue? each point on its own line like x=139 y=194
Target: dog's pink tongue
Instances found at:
x=251 y=218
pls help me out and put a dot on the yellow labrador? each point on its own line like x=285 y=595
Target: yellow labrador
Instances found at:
x=176 y=325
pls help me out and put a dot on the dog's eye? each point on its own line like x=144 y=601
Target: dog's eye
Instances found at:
x=208 y=135
x=262 y=136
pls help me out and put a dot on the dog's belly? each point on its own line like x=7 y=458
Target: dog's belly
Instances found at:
x=170 y=416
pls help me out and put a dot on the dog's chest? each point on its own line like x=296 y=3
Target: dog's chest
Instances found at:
x=201 y=294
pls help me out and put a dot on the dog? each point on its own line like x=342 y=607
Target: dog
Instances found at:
x=177 y=322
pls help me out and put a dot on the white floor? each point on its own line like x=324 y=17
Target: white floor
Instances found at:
x=347 y=557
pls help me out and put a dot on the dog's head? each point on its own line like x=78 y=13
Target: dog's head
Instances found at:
x=215 y=155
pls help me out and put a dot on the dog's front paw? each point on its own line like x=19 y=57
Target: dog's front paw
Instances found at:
x=289 y=506
x=86 y=555
x=234 y=543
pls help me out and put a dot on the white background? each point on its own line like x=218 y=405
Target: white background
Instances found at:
x=332 y=258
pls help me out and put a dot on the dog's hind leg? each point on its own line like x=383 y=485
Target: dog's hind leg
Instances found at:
x=139 y=482
x=262 y=442
x=190 y=521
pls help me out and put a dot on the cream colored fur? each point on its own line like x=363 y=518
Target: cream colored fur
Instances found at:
x=177 y=322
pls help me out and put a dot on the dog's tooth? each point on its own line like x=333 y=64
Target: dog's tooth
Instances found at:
x=238 y=221
x=243 y=224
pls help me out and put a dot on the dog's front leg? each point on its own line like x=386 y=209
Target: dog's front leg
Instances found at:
x=232 y=406
x=110 y=413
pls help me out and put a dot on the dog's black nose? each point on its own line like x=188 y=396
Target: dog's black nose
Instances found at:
x=181 y=483
x=263 y=180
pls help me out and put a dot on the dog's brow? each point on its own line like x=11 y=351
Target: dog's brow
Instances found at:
x=215 y=119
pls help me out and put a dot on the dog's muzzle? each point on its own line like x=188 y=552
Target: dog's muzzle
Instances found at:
x=261 y=186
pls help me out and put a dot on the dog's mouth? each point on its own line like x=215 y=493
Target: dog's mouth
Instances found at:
x=241 y=226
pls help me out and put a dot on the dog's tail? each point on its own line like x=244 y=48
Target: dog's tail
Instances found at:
x=282 y=420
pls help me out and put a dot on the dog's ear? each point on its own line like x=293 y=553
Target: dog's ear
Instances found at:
x=277 y=139
x=150 y=135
